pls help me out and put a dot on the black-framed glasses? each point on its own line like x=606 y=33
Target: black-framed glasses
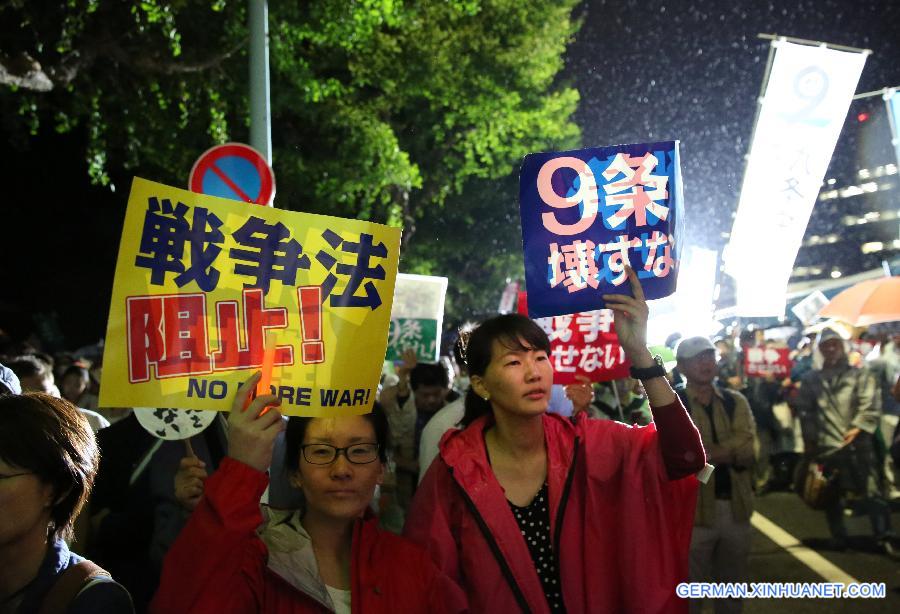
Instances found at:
x=15 y=475
x=325 y=454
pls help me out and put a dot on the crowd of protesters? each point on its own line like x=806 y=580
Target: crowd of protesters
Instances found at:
x=474 y=484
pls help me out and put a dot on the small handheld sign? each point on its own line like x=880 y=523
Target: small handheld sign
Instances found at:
x=173 y=424
x=234 y=171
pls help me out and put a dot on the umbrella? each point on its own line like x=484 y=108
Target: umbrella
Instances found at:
x=868 y=302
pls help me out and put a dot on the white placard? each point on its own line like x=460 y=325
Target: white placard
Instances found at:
x=808 y=309
x=417 y=298
x=173 y=424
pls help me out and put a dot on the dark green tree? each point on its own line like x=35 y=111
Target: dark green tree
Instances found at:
x=410 y=113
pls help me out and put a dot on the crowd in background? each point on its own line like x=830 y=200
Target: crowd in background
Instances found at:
x=837 y=409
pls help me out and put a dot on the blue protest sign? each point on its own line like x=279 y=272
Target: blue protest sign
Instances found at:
x=586 y=213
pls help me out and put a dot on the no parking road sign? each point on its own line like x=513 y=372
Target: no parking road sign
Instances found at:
x=234 y=171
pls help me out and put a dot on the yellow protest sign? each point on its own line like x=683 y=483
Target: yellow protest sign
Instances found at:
x=199 y=282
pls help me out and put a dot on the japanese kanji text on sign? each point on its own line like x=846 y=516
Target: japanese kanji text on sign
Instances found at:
x=199 y=281
x=587 y=213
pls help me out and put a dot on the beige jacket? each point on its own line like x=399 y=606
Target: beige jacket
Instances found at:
x=402 y=423
x=739 y=436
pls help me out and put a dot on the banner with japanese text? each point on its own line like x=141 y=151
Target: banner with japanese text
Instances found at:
x=763 y=361
x=801 y=113
x=587 y=213
x=200 y=282
x=582 y=344
x=417 y=316
x=892 y=102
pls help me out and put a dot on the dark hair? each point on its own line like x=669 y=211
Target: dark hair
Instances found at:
x=458 y=357
x=672 y=340
x=511 y=330
x=77 y=370
x=296 y=430
x=29 y=366
x=45 y=358
x=428 y=374
x=51 y=438
x=748 y=336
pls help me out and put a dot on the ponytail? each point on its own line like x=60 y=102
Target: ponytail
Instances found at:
x=475 y=408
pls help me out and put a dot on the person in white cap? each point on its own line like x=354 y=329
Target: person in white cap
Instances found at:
x=720 y=544
x=840 y=408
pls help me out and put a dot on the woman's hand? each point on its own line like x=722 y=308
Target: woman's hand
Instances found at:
x=630 y=317
x=252 y=431
x=189 y=482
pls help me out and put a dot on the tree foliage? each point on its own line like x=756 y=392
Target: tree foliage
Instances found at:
x=410 y=113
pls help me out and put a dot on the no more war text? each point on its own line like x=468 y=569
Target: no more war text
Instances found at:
x=302 y=397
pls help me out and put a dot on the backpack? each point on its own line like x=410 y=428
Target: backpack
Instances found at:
x=69 y=585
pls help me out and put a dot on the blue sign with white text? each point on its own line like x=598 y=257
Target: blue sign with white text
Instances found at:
x=587 y=213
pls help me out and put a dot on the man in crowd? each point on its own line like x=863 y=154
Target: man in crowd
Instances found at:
x=420 y=391
x=37 y=376
x=840 y=408
x=729 y=368
x=885 y=367
x=720 y=544
x=34 y=374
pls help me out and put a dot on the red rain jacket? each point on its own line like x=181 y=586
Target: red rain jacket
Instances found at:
x=621 y=513
x=218 y=562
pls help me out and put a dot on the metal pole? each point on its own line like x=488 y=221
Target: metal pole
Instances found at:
x=618 y=401
x=260 y=125
x=812 y=43
x=883 y=92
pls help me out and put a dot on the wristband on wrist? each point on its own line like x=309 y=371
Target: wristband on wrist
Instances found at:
x=645 y=373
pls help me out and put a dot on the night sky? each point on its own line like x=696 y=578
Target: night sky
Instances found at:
x=692 y=71
x=646 y=71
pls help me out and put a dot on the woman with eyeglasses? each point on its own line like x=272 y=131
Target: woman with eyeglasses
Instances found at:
x=48 y=460
x=330 y=555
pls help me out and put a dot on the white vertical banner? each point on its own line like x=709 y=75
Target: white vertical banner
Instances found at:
x=801 y=115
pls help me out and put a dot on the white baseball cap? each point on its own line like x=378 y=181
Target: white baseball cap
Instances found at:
x=690 y=347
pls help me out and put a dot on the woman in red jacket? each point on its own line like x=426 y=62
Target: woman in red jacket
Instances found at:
x=329 y=556
x=535 y=513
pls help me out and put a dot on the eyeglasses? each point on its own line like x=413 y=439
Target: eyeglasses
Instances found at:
x=14 y=475
x=324 y=454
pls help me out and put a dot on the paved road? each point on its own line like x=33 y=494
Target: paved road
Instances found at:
x=770 y=562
